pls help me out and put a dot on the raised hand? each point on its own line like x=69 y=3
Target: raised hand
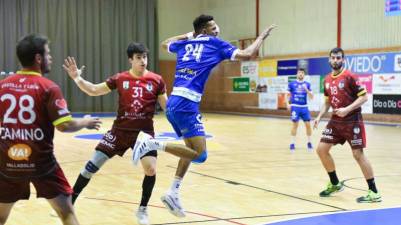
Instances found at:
x=267 y=31
x=70 y=66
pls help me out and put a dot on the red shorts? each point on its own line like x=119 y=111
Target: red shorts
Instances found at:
x=337 y=132
x=48 y=186
x=117 y=142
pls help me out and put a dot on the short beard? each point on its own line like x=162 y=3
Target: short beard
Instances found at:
x=44 y=68
x=336 y=66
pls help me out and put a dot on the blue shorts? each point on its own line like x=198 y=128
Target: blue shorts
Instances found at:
x=184 y=116
x=300 y=112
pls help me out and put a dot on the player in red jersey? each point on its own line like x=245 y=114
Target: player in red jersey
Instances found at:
x=30 y=107
x=139 y=90
x=345 y=95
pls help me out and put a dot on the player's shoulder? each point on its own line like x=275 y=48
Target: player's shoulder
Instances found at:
x=153 y=76
x=121 y=75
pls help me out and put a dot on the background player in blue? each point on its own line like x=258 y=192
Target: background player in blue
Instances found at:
x=300 y=90
x=196 y=57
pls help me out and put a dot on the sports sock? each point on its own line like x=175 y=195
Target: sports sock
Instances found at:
x=333 y=178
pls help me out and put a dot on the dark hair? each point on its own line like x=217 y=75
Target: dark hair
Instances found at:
x=302 y=69
x=29 y=46
x=201 y=21
x=136 y=48
x=337 y=50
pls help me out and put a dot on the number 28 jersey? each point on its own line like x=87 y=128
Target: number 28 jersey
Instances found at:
x=30 y=107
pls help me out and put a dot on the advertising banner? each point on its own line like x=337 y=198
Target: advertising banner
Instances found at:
x=268 y=68
x=241 y=84
x=267 y=101
x=387 y=104
x=366 y=80
x=287 y=67
x=387 y=83
x=277 y=84
x=360 y=64
x=249 y=69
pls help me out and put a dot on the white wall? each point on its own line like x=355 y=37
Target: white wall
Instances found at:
x=366 y=26
x=236 y=18
x=175 y=17
x=304 y=25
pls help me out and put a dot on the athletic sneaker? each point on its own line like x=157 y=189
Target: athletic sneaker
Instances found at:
x=331 y=188
x=370 y=197
x=310 y=147
x=173 y=204
x=142 y=215
x=292 y=147
x=142 y=146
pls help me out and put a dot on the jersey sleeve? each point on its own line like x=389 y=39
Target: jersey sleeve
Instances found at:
x=111 y=82
x=57 y=107
x=173 y=46
x=326 y=92
x=162 y=87
x=357 y=88
x=227 y=50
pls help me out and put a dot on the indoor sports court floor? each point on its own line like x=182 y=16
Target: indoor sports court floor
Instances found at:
x=250 y=178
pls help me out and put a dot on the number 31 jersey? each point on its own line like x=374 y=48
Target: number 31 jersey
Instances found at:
x=30 y=107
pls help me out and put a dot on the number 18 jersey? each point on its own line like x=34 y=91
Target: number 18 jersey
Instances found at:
x=30 y=107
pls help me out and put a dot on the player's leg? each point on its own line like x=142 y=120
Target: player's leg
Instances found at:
x=145 y=143
x=149 y=168
x=331 y=135
x=294 y=128
x=92 y=166
x=5 y=209
x=306 y=118
x=10 y=192
x=366 y=167
x=293 y=135
x=323 y=151
x=357 y=140
x=55 y=188
x=63 y=206
x=171 y=199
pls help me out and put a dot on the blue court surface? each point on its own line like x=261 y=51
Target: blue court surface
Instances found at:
x=388 y=216
x=163 y=136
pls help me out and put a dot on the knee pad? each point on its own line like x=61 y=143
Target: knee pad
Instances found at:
x=201 y=158
x=93 y=165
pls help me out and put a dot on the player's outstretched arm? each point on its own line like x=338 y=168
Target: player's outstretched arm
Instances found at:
x=253 y=49
x=77 y=124
x=70 y=66
x=186 y=36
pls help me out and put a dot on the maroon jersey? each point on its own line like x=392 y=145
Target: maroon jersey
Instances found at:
x=137 y=99
x=30 y=107
x=342 y=90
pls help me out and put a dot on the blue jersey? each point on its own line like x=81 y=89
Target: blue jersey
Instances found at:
x=299 y=96
x=195 y=59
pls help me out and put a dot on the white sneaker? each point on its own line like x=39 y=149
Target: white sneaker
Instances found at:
x=173 y=204
x=142 y=215
x=141 y=147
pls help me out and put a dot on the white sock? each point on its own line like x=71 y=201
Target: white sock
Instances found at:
x=175 y=186
x=157 y=145
x=293 y=140
x=309 y=139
